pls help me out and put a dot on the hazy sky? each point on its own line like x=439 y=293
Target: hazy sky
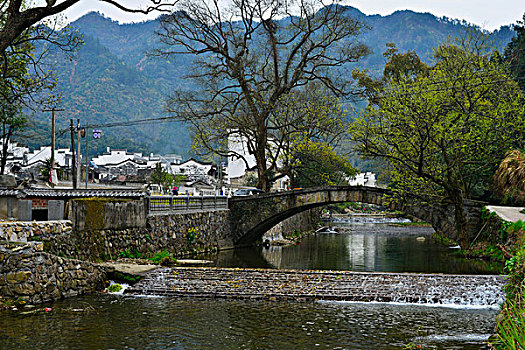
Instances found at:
x=489 y=14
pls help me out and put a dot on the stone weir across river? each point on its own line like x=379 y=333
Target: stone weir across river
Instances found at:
x=305 y=285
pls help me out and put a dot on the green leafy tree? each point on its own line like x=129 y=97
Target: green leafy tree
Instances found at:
x=443 y=132
x=44 y=170
x=318 y=164
x=160 y=176
x=312 y=125
x=247 y=60
x=23 y=80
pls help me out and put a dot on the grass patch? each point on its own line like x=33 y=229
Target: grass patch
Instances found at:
x=114 y=288
x=126 y=254
x=10 y=303
x=483 y=251
x=511 y=330
x=163 y=258
x=124 y=277
x=440 y=238
x=511 y=327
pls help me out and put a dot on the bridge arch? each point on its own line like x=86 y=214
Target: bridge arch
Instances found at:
x=251 y=217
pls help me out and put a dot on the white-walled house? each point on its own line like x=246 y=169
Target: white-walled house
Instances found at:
x=166 y=161
x=241 y=163
x=15 y=154
x=363 y=179
x=201 y=178
x=36 y=159
x=237 y=166
x=63 y=157
x=128 y=167
x=121 y=164
x=115 y=156
x=195 y=170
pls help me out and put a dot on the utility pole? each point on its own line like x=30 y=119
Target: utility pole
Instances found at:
x=79 y=165
x=73 y=169
x=220 y=177
x=52 y=110
x=86 y=133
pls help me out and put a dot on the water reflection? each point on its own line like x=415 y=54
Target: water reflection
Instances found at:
x=363 y=247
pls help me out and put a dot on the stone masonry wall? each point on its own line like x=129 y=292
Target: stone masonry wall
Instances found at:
x=302 y=222
x=24 y=231
x=28 y=274
x=177 y=233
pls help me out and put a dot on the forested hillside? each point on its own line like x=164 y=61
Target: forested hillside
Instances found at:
x=111 y=78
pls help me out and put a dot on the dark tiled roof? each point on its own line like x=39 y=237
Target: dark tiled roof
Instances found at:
x=70 y=193
x=82 y=193
x=8 y=192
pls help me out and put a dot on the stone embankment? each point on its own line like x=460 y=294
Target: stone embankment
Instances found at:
x=267 y=284
x=24 y=231
x=29 y=274
x=177 y=233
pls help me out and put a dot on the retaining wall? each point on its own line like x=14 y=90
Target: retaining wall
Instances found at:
x=27 y=273
x=299 y=223
x=107 y=213
x=177 y=233
x=24 y=231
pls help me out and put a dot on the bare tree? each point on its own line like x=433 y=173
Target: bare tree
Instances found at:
x=16 y=16
x=248 y=57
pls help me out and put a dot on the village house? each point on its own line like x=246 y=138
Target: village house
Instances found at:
x=121 y=165
x=15 y=157
x=34 y=161
x=200 y=178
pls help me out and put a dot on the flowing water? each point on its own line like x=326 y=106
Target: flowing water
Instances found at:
x=123 y=322
x=130 y=322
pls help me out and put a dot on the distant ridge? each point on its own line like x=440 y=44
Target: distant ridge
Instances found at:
x=111 y=78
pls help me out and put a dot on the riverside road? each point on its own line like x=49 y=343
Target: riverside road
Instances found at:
x=304 y=285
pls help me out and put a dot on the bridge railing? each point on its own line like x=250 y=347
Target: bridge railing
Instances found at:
x=157 y=204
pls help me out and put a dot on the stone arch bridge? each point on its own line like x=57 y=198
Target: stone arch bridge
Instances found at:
x=252 y=216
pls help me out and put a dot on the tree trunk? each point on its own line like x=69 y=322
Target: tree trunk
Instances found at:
x=460 y=219
x=262 y=182
x=5 y=146
x=260 y=154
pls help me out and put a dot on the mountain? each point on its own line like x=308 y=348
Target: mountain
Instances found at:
x=111 y=79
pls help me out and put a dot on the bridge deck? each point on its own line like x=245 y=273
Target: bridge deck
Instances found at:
x=268 y=284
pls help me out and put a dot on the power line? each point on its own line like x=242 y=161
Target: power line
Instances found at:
x=177 y=116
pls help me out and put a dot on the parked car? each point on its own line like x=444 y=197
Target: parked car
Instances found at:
x=247 y=192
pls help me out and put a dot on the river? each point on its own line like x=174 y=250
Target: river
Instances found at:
x=129 y=322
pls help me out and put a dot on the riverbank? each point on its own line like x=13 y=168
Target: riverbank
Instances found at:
x=502 y=239
x=28 y=275
x=511 y=320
